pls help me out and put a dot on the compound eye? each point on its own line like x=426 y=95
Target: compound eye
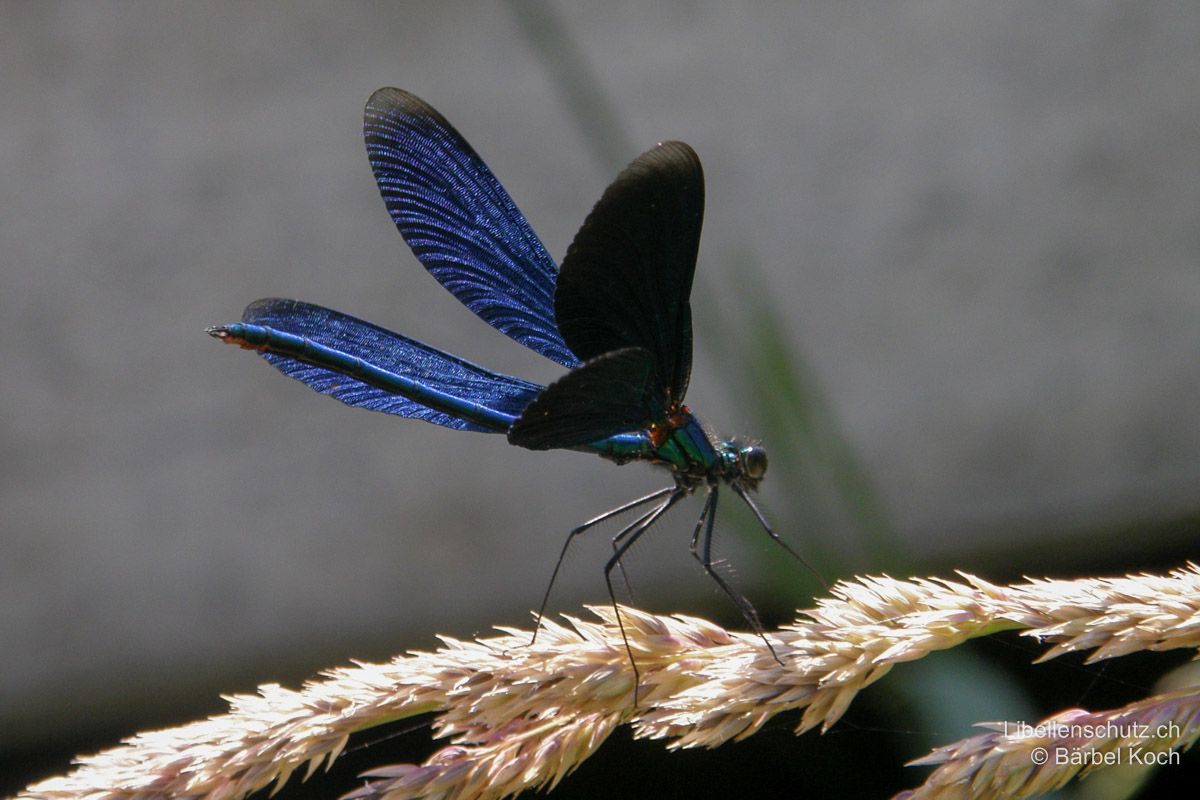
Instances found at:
x=754 y=462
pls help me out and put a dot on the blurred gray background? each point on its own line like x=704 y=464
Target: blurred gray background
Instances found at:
x=979 y=222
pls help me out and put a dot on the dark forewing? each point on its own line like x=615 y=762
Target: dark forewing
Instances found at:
x=389 y=351
x=610 y=394
x=460 y=222
x=626 y=278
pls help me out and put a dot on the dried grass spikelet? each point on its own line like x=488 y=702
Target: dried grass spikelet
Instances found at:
x=521 y=716
x=1012 y=762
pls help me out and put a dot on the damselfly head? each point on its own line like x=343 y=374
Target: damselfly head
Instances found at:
x=753 y=462
x=742 y=464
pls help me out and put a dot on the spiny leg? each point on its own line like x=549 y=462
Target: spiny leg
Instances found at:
x=591 y=523
x=616 y=540
x=626 y=531
x=704 y=555
x=774 y=536
x=630 y=535
x=710 y=505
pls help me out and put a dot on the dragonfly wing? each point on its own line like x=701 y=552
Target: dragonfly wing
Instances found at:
x=627 y=277
x=370 y=367
x=610 y=394
x=461 y=223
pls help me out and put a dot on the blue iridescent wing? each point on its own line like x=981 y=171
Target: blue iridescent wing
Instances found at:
x=627 y=276
x=461 y=223
x=369 y=367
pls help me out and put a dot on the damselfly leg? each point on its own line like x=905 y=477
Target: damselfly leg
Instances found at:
x=591 y=523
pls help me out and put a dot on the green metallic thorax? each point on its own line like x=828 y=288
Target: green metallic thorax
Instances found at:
x=684 y=447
